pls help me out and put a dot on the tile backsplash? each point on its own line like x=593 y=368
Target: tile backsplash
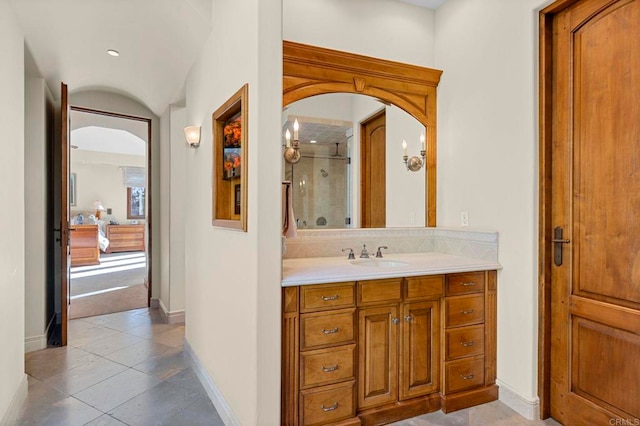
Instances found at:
x=329 y=243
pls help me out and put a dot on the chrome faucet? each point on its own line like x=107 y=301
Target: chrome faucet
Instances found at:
x=351 y=255
x=364 y=254
x=379 y=252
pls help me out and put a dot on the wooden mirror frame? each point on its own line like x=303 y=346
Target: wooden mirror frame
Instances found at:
x=310 y=70
x=230 y=191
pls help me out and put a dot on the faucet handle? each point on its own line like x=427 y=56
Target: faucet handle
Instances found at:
x=379 y=252
x=351 y=255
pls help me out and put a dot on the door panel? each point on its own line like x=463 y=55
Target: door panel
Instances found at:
x=373 y=175
x=420 y=346
x=378 y=352
x=595 y=296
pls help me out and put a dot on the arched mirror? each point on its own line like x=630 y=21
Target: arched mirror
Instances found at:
x=351 y=171
x=353 y=113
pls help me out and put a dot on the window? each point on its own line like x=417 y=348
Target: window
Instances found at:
x=135 y=202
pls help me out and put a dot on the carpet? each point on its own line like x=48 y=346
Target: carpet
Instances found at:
x=125 y=299
x=115 y=285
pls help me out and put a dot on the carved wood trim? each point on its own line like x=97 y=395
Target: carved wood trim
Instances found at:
x=490 y=327
x=310 y=70
x=290 y=363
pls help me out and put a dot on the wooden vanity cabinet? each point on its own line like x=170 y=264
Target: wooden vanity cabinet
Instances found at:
x=378 y=351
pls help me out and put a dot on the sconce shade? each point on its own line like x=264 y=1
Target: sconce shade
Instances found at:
x=192 y=135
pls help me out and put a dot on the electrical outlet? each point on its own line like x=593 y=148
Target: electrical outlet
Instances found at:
x=464 y=218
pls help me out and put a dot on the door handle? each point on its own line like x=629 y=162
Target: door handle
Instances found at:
x=558 y=241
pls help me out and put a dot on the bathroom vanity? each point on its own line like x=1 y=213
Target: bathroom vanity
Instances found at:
x=373 y=341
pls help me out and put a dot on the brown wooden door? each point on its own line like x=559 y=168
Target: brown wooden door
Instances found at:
x=419 y=349
x=595 y=295
x=61 y=210
x=373 y=175
x=378 y=356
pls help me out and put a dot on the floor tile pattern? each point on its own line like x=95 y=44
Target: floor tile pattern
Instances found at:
x=126 y=368
x=129 y=368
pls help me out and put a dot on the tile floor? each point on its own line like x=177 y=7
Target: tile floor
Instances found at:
x=129 y=368
x=126 y=368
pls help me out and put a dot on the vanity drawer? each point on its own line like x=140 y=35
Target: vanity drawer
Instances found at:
x=472 y=282
x=463 y=342
x=324 y=329
x=464 y=310
x=327 y=296
x=423 y=287
x=379 y=291
x=464 y=374
x=328 y=404
x=327 y=366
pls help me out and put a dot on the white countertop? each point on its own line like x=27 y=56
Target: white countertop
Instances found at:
x=320 y=270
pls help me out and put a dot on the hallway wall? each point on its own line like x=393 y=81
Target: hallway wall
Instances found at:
x=12 y=243
x=233 y=278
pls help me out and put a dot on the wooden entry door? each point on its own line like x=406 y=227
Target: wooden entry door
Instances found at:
x=595 y=202
x=373 y=172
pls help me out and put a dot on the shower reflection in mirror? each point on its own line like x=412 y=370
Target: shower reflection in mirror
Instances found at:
x=331 y=182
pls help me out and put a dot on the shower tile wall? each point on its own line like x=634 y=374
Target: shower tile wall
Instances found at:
x=320 y=188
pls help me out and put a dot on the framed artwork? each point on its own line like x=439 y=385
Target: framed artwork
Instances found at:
x=72 y=189
x=230 y=124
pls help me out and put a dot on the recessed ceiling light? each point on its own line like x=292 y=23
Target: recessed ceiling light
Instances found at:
x=313 y=141
x=113 y=52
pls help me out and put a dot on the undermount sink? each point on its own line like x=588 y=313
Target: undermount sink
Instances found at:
x=378 y=263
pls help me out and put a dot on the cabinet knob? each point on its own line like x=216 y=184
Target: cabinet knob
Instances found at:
x=395 y=320
x=407 y=318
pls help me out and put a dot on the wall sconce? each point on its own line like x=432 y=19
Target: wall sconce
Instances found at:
x=414 y=163
x=192 y=135
x=292 y=152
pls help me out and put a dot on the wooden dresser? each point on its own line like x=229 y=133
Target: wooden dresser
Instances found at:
x=125 y=238
x=83 y=244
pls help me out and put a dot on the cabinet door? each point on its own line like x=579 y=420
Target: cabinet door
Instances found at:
x=378 y=351
x=419 y=349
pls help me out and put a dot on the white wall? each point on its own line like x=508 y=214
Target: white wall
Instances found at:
x=37 y=136
x=232 y=294
x=12 y=223
x=107 y=101
x=386 y=29
x=173 y=152
x=488 y=156
x=99 y=176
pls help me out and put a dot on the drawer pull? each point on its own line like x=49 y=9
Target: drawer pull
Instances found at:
x=328 y=298
x=330 y=408
x=467 y=377
x=467 y=344
x=330 y=369
x=468 y=284
x=467 y=312
x=332 y=331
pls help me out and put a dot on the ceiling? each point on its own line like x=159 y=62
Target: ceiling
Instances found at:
x=158 y=41
x=104 y=133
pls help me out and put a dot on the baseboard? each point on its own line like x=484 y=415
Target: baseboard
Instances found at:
x=35 y=343
x=154 y=303
x=175 y=317
x=527 y=408
x=223 y=408
x=15 y=405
